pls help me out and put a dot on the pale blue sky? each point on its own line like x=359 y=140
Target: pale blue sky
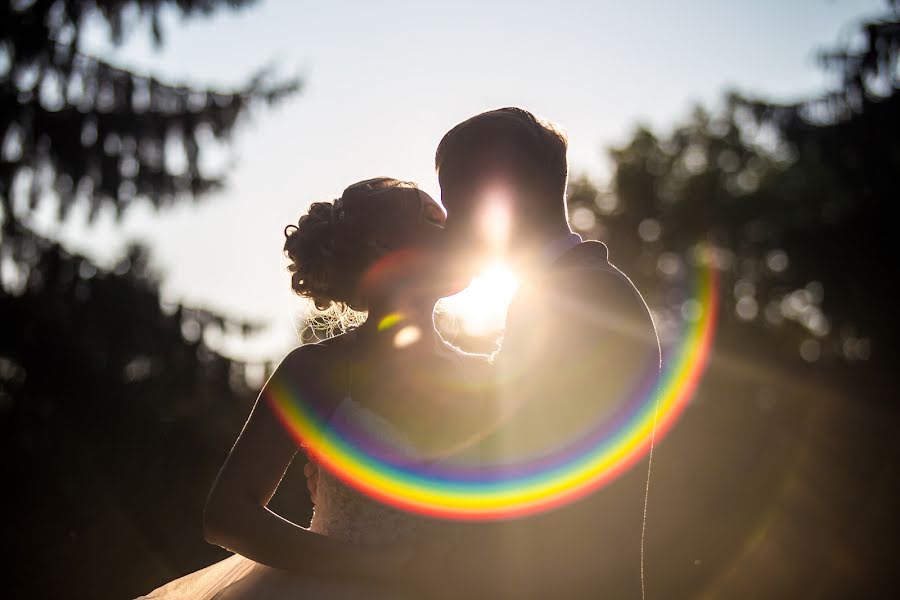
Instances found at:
x=384 y=80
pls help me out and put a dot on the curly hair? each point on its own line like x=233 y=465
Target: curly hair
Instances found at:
x=333 y=244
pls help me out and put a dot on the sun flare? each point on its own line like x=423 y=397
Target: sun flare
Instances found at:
x=480 y=309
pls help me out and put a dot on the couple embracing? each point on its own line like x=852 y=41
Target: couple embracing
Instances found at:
x=578 y=337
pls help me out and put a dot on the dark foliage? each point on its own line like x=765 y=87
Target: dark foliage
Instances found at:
x=116 y=414
x=798 y=204
x=84 y=130
x=780 y=481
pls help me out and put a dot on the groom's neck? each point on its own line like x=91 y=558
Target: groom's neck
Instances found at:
x=535 y=240
x=548 y=235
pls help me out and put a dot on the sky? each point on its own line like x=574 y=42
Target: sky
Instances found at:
x=383 y=81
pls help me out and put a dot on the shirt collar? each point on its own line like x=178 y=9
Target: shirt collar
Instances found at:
x=555 y=249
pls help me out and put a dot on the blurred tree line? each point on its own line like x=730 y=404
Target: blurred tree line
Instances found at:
x=795 y=205
x=116 y=413
x=780 y=479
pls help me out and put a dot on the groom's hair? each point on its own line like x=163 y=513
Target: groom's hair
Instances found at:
x=535 y=147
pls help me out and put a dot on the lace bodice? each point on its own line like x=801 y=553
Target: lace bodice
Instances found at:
x=343 y=512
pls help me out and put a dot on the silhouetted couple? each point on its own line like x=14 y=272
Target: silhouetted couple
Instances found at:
x=578 y=338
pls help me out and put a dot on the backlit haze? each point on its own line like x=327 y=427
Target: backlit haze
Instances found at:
x=382 y=83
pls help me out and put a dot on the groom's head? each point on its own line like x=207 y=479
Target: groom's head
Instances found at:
x=503 y=173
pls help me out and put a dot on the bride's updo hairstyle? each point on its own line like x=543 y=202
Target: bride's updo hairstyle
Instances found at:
x=334 y=243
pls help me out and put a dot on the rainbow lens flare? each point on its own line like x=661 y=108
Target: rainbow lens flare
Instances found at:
x=462 y=492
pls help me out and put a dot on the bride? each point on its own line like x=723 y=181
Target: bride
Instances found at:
x=375 y=249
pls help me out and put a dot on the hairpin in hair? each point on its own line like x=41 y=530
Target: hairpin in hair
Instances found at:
x=338 y=210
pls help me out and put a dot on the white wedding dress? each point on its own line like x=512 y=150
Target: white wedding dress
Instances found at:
x=341 y=512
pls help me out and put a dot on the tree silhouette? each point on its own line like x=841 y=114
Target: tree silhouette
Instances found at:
x=790 y=441
x=80 y=129
x=116 y=412
x=798 y=202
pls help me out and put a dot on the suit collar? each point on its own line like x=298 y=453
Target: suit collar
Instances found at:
x=590 y=251
x=558 y=247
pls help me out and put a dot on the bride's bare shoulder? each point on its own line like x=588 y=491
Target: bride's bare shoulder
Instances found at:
x=314 y=357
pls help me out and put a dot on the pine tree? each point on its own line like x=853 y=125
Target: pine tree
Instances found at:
x=115 y=411
x=79 y=129
x=798 y=200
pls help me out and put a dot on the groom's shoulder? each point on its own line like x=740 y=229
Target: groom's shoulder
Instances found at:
x=582 y=288
x=594 y=289
x=583 y=259
x=590 y=252
x=587 y=268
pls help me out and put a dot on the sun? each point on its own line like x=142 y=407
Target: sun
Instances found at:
x=480 y=309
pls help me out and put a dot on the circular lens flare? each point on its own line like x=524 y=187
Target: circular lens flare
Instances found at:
x=473 y=492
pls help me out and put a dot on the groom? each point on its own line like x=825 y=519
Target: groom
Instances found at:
x=578 y=339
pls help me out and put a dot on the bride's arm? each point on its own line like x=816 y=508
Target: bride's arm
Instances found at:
x=237 y=516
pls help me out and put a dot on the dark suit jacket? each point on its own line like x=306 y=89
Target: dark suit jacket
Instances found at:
x=578 y=340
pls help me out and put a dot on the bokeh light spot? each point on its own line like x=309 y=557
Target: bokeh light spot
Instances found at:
x=691 y=310
x=649 y=230
x=584 y=219
x=777 y=261
x=810 y=350
x=389 y=321
x=407 y=336
x=746 y=308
